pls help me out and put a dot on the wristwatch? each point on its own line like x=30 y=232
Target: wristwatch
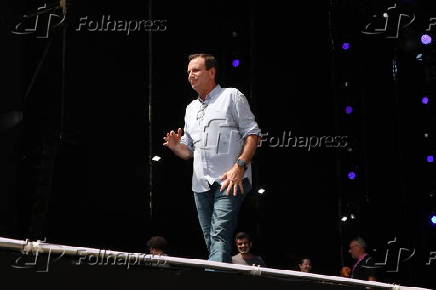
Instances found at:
x=241 y=163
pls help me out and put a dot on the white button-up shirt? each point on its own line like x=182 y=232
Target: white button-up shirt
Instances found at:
x=215 y=130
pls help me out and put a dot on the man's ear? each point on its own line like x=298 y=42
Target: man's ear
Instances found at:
x=212 y=72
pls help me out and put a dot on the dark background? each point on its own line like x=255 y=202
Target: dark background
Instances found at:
x=92 y=187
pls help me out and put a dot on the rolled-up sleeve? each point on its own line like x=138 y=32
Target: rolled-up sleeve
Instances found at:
x=243 y=116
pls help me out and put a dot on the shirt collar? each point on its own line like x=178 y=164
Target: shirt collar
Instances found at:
x=212 y=94
x=362 y=257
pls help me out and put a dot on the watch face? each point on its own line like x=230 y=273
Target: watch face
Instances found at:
x=240 y=163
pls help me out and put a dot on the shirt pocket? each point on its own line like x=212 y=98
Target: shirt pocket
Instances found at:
x=221 y=134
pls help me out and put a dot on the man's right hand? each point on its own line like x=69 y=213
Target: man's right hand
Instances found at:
x=172 y=139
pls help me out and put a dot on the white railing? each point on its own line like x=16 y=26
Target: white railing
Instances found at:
x=103 y=257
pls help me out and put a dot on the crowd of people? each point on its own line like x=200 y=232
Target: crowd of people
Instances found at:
x=362 y=269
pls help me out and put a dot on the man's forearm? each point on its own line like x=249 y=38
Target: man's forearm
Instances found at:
x=182 y=151
x=249 y=148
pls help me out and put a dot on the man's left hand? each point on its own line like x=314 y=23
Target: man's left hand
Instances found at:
x=232 y=179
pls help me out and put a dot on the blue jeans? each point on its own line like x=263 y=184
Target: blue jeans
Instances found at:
x=218 y=217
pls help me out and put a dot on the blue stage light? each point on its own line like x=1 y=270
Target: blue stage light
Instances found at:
x=425 y=39
x=346 y=46
x=352 y=175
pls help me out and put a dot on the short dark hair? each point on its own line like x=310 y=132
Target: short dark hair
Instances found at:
x=209 y=61
x=242 y=235
x=302 y=258
x=157 y=242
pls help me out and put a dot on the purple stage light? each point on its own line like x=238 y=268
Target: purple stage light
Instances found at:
x=351 y=175
x=426 y=39
x=235 y=63
x=348 y=110
x=424 y=100
x=346 y=46
x=430 y=158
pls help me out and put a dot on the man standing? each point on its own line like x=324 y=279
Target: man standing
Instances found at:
x=221 y=134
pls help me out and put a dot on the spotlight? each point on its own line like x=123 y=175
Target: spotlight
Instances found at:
x=430 y=158
x=351 y=175
x=156 y=158
x=424 y=100
x=235 y=62
x=433 y=219
x=346 y=46
x=261 y=191
x=344 y=219
x=352 y=216
x=348 y=110
x=425 y=39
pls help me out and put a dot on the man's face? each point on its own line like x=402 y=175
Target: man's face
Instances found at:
x=306 y=266
x=244 y=245
x=198 y=76
x=355 y=250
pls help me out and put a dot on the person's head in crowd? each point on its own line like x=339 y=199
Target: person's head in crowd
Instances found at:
x=305 y=265
x=157 y=245
x=243 y=242
x=357 y=248
x=364 y=267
